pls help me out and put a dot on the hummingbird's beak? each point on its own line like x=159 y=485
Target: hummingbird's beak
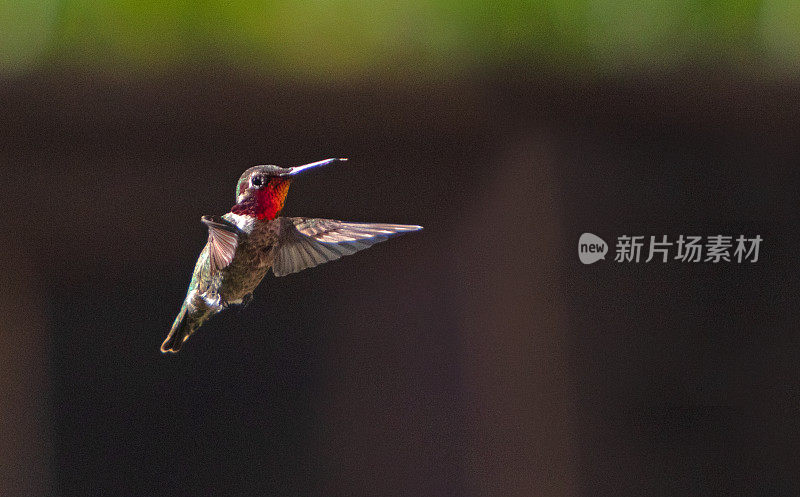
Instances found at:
x=298 y=169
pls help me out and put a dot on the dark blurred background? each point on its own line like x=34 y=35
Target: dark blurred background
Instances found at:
x=478 y=357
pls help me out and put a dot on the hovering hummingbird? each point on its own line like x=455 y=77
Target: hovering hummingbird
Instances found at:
x=244 y=243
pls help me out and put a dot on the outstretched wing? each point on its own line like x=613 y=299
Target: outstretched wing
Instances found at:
x=307 y=242
x=223 y=238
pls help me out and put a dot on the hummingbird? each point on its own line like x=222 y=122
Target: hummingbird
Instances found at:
x=250 y=239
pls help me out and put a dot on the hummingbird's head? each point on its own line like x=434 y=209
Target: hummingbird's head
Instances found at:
x=261 y=190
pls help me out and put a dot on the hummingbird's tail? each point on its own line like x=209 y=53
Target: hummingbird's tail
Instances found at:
x=182 y=328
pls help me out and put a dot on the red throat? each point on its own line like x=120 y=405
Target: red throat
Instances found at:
x=265 y=203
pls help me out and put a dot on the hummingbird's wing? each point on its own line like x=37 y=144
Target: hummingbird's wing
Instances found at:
x=223 y=238
x=306 y=242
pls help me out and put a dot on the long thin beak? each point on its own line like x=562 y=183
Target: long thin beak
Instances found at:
x=298 y=169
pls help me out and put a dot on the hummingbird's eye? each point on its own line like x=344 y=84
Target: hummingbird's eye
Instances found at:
x=256 y=181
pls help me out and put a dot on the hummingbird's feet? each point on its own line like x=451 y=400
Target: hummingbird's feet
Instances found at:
x=244 y=301
x=214 y=302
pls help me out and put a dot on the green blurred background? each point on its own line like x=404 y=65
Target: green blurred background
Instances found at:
x=345 y=39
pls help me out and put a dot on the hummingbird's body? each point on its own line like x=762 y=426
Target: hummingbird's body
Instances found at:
x=246 y=242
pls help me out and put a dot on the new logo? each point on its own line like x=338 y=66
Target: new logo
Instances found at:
x=591 y=248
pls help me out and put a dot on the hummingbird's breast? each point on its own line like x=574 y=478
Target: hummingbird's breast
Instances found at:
x=253 y=257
